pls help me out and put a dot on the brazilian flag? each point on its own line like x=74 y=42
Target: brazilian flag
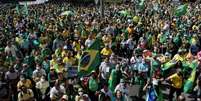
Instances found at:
x=96 y=45
x=90 y=59
x=168 y=65
x=188 y=86
x=113 y=80
x=88 y=62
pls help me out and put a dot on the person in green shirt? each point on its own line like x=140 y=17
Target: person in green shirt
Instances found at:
x=93 y=86
x=46 y=65
x=27 y=71
x=115 y=77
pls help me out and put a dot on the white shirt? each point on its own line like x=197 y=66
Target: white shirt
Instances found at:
x=11 y=76
x=55 y=93
x=108 y=93
x=132 y=60
x=121 y=88
x=38 y=73
x=130 y=43
x=11 y=49
x=109 y=30
x=42 y=86
x=89 y=42
x=104 y=70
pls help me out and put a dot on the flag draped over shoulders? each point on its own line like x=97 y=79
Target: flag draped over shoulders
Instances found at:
x=188 y=86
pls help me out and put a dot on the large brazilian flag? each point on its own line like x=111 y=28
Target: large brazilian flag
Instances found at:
x=168 y=65
x=90 y=59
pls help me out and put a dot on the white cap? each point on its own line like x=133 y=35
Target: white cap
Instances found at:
x=65 y=47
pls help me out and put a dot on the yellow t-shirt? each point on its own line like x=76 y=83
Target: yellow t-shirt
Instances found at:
x=65 y=33
x=176 y=80
x=68 y=60
x=64 y=53
x=27 y=84
x=177 y=57
x=78 y=56
x=58 y=68
x=77 y=46
x=19 y=40
x=106 y=52
x=52 y=62
x=130 y=31
x=107 y=39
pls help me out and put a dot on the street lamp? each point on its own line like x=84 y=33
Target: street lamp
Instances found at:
x=101 y=6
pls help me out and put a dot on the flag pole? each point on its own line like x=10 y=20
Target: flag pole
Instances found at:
x=102 y=8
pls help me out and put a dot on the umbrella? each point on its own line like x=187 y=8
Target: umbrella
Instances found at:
x=136 y=19
x=67 y=13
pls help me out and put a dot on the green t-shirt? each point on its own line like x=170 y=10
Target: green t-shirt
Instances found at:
x=154 y=66
x=163 y=38
x=177 y=40
x=28 y=72
x=112 y=80
x=45 y=52
x=58 y=52
x=10 y=59
x=93 y=85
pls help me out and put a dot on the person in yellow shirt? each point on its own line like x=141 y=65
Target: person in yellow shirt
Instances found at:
x=24 y=82
x=64 y=52
x=53 y=61
x=65 y=33
x=59 y=66
x=106 y=51
x=130 y=29
x=43 y=40
x=178 y=57
x=19 y=39
x=176 y=80
x=78 y=55
x=77 y=45
x=107 y=39
x=68 y=59
x=25 y=94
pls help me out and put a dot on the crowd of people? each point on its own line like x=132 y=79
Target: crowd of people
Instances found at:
x=38 y=47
